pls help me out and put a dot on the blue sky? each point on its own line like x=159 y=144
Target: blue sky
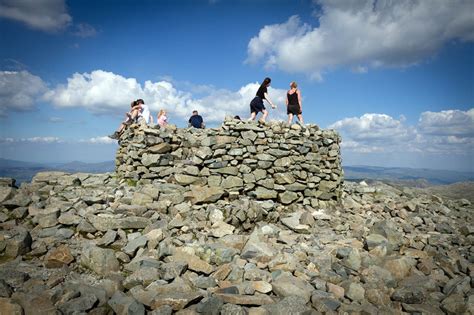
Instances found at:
x=395 y=78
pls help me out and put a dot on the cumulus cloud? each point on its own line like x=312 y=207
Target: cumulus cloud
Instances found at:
x=444 y=132
x=19 y=90
x=106 y=92
x=448 y=122
x=45 y=15
x=363 y=34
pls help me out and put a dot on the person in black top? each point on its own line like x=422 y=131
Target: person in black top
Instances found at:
x=293 y=103
x=196 y=120
x=256 y=105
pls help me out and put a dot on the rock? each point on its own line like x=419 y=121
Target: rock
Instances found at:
x=293 y=222
x=220 y=229
x=354 y=291
x=5 y=289
x=143 y=276
x=194 y=263
x=8 y=307
x=69 y=218
x=263 y=193
x=287 y=197
x=6 y=192
x=257 y=299
x=409 y=295
x=289 y=305
x=105 y=223
x=421 y=309
x=374 y=240
x=124 y=305
x=324 y=302
x=134 y=244
x=58 y=257
x=287 y=285
x=211 y=306
x=398 y=267
x=19 y=244
x=453 y=304
x=204 y=194
x=78 y=305
x=35 y=303
x=101 y=261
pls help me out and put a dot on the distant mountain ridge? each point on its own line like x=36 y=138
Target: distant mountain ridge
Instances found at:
x=24 y=171
x=437 y=177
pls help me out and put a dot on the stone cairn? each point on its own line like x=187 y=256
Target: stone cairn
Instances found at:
x=288 y=164
x=183 y=228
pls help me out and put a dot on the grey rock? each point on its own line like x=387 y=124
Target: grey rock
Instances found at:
x=101 y=261
x=289 y=305
x=19 y=243
x=105 y=223
x=78 y=305
x=125 y=305
x=287 y=285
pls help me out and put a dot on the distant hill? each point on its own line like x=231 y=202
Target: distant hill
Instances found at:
x=24 y=171
x=415 y=177
x=418 y=176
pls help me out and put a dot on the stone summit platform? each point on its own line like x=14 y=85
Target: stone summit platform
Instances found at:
x=276 y=161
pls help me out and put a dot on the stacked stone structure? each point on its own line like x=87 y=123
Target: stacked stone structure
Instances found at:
x=288 y=164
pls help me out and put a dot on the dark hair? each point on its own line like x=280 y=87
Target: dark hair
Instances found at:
x=132 y=104
x=140 y=101
x=266 y=81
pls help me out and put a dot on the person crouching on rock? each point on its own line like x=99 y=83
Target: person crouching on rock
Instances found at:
x=256 y=105
x=293 y=103
x=162 y=119
x=139 y=112
x=129 y=119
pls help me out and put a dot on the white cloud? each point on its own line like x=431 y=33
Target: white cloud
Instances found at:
x=42 y=140
x=19 y=90
x=45 y=15
x=444 y=132
x=363 y=34
x=106 y=92
x=99 y=140
x=85 y=30
x=448 y=122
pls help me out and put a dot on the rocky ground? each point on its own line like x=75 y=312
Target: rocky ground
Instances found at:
x=85 y=243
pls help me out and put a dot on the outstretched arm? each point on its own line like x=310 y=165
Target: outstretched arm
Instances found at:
x=269 y=101
x=299 y=99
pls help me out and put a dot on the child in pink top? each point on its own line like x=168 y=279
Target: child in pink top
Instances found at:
x=162 y=120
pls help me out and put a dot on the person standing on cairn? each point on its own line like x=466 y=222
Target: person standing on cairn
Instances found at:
x=293 y=103
x=256 y=105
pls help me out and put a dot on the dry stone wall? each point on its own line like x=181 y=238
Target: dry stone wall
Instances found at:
x=287 y=164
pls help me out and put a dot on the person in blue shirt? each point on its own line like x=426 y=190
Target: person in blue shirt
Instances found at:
x=196 y=120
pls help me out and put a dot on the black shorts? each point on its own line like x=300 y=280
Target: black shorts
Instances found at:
x=293 y=109
x=256 y=105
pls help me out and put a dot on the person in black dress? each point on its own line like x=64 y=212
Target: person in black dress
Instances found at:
x=293 y=103
x=256 y=105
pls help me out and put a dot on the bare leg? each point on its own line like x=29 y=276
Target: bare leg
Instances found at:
x=300 y=118
x=120 y=129
x=265 y=114
x=290 y=118
x=252 y=116
x=134 y=114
